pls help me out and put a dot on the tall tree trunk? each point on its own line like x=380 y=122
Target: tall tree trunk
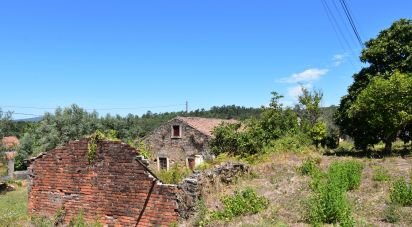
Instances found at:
x=388 y=147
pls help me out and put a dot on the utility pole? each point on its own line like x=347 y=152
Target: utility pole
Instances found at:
x=187 y=107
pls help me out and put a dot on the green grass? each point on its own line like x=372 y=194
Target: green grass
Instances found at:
x=13 y=207
x=380 y=174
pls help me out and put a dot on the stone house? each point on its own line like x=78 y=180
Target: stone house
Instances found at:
x=183 y=141
x=116 y=188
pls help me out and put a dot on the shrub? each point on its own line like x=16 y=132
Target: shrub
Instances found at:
x=298 y=143
x=174 y=175
x=347 y=174
x=380 y=174
x=401 y=192
x=241 y=203
x=329 y=203
x=310 y=166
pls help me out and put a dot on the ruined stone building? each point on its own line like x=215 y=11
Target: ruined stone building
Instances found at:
x=115 y=188
x=183 y=141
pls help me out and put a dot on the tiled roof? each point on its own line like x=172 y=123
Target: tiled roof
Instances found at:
x=204 y=125
x=9 y=141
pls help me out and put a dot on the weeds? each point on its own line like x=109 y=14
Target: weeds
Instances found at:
x=392 y=213
x=310 y=166
x=174 y=175
x=401 y=192
x=329 y=203
x=380 y=174
x=241 y=203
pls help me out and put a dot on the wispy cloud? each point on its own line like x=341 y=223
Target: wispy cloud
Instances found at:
x=338 y=59
x=308 y=75
x=294 y=92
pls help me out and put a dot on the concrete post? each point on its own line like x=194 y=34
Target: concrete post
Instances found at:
x=10 y=163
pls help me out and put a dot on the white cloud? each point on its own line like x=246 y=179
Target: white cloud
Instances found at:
x=338 y=59
x=306 y=76
x=294 y=92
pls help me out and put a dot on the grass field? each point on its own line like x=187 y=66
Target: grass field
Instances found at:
x=13 y=208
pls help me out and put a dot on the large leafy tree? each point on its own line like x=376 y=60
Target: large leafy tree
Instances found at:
x=387 y=105
x=388 y=53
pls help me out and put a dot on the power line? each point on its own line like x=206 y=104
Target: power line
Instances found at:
x=351 y=21
x=337 y=29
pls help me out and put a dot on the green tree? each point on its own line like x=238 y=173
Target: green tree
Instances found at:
x=6 y=123
x=386 y=103
x=318 y=132
x=309 y=105
x=390 y=51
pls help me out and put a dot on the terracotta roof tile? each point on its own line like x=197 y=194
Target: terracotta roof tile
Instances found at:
x=204 y=125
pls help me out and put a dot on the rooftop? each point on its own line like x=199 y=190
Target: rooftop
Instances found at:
x=205 y=125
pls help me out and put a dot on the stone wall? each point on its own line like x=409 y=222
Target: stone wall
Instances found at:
x=116 y=189
x=177 y=150
x=206 y=182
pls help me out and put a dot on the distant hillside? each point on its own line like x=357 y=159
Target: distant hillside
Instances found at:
x=32 y=119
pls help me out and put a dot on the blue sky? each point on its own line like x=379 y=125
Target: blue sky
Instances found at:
x=132 y=55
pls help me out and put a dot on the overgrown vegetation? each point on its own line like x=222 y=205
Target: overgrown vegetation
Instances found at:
x=276 y=129
x=241 y=203
x=380 y=174
x=329 y=203
x=401 y=192
x=174 y=175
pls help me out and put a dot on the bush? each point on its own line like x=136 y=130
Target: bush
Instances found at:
x=292 y=143
x=401 y=193
x=174 y=175
x=329 y=203
x=346 y=174
x=380 y=174
x=241 y=203
x=310 y=166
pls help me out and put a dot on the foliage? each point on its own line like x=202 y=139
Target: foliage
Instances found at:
x=6 y=124
x=174 y=175
x=253 y=135
x=391 y=51
x=309 y=106
x=297 y=143
x=329 y=203
x=310 y=166
x=241 y=203
x=386 y=104
x=142 y=147
x=380 y=174
x=401 y=192
x=346 y=174
x=226 y=139
x=318 y=132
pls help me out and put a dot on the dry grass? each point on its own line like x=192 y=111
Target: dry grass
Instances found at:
x=277 y=179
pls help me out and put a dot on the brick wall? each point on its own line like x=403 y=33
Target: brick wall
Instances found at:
x=161 y=143
x=115 y=189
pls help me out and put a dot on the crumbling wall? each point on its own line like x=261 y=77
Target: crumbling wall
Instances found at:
x=206 y=182
x=115 y=189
